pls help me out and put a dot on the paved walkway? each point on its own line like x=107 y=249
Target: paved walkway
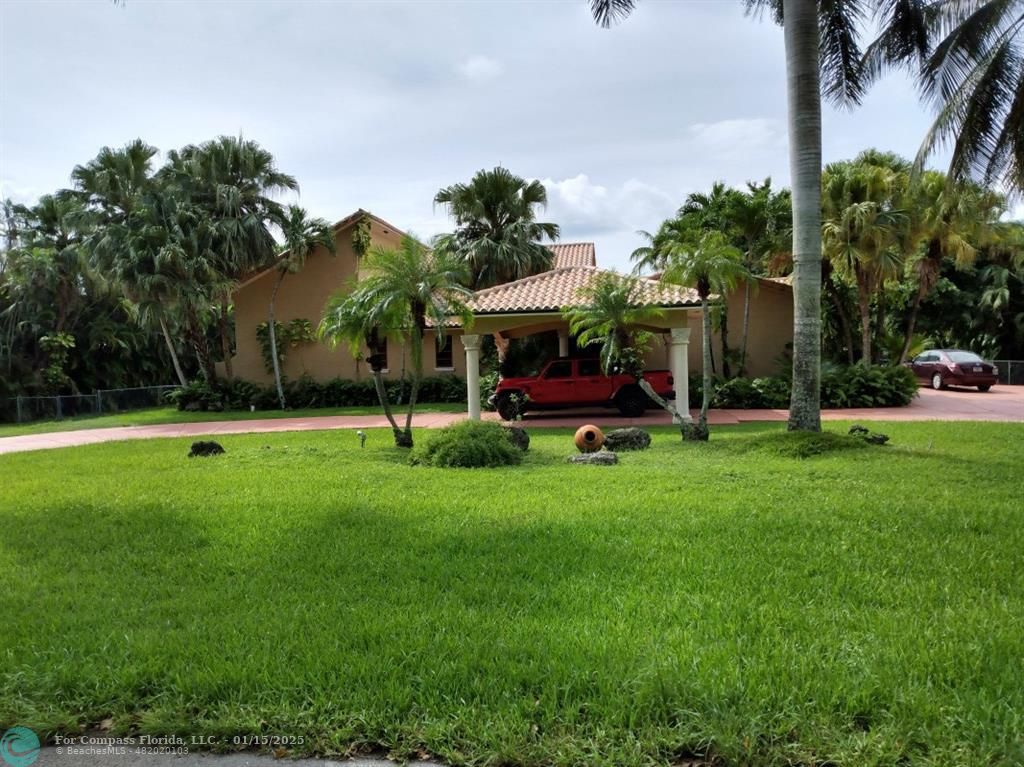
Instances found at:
x=1003 y=403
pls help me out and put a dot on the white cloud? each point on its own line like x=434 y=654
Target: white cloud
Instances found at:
x=610 y=215
x=479 y=69
x=743 y=133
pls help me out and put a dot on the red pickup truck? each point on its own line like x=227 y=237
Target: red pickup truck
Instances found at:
x=576 y=382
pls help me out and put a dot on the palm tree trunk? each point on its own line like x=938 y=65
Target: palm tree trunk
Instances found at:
x=174 y=354
x=225 y=340
x=908 y=333
x=382 y=396
x=416 y=352
x=864 y=305
x=746 y=327
x=271 y=329
x=197 y=337
x=804 y=107
x=844 y=321
x=724 y=333
x=706 y=399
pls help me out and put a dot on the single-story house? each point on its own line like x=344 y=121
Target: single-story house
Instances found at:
x=514 y=309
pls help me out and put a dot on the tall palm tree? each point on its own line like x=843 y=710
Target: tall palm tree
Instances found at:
x=714 y=212
x=302 y=236
x=862 y=229
x=497 y=233
x=761 y=219
x=112 y=187
x=821 y=49
x=235 y=181
x=947 y=222
x=710 y=265
x=408 y=290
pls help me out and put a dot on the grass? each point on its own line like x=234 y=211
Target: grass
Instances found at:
x=161 y=415
x=852 y=607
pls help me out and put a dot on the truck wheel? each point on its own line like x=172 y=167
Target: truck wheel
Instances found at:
x=507 y=406
x=631 y=401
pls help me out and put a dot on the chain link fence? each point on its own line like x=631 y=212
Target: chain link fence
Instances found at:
x=1010 y=371
x=102 y=401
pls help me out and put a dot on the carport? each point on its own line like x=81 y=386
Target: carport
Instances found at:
x=534 y=305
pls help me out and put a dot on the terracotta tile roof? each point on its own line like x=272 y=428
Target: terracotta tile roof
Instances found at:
x=552 y=290
x=573 y=254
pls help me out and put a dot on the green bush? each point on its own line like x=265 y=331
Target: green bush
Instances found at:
x=841 y=387
x=308 y=393
x=468 y=444
x=858 y=386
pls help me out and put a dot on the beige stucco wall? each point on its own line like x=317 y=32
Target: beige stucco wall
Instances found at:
x=303 y=296
x=771 y=329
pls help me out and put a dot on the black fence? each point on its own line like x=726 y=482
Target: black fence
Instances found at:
x=1010 y=371
x=103 y=401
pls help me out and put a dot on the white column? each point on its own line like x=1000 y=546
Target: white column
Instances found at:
x=680 y=366
x=563 y=343
x=471 y=344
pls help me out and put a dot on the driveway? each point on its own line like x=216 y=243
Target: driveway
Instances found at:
x=1002 y=403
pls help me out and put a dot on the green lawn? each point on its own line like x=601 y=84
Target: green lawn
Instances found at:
x=160 y=415
x=854 y=608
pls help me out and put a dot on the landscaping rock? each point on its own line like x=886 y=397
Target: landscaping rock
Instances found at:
x=867 y=435
x=694 y=432
x=632 y=438
x=205 y=449
x=600 y=458
x=517 y=436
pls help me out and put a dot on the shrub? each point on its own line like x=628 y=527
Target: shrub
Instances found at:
x=488 y=383
x=841 y=387
x=468 y=444
x=774 y=391
x=740 y=393
x=859 y=386
x=309 y=393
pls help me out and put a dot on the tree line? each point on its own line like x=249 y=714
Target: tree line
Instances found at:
x=898 y=251
x=125 y=278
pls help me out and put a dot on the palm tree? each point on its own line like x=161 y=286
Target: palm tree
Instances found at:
x=112 y=187
x=968 y=57
x=710 y=265
x=302 y=236
x=862 y=228
x=820 y=45
x=408 y=290
x=714 y=213
x=615 y=311
x=234 y=180
x=761 y=220
x=497 y=233
x=946 y=222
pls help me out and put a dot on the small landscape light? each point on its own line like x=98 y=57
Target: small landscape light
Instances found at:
x=362 y=438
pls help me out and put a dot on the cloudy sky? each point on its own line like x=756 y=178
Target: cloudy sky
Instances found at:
x=379 y=104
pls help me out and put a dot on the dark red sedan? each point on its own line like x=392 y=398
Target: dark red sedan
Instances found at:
x=946 y=367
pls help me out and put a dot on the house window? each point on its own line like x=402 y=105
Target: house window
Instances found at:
x=443 y=360
x=378 y=359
